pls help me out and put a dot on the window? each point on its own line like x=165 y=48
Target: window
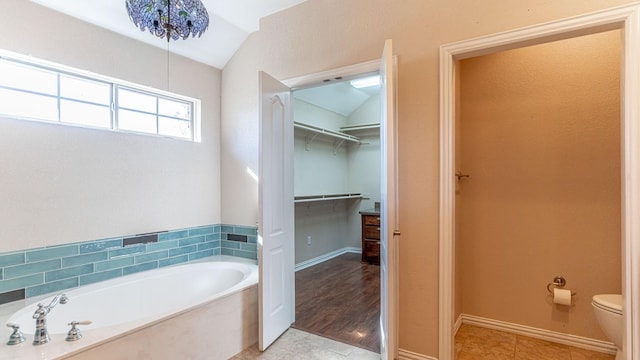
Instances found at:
x=144 y=112
x=35 y=90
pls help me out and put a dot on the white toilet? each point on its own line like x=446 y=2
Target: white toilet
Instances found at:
x=608 y=310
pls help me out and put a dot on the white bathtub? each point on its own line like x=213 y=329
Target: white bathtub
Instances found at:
x=203 y=310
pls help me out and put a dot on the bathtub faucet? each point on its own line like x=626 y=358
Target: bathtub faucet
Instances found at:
x=41 y=336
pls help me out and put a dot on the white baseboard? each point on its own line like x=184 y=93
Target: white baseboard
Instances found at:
x=408 y=355
x=324 y=257
x=457 y=324
x=542 y=334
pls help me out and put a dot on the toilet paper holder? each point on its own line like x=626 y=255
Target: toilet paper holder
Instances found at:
x=558 y=282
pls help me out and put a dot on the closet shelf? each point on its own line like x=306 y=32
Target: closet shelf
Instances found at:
x=314 y=131
x=360 y=127
x=311 y=198
x=327 y=132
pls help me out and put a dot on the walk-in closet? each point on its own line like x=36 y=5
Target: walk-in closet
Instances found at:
x=337 y=164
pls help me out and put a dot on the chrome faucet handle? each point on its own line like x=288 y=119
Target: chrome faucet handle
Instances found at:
x=41 y=335
x=60 y=298
x=16 y=337
x=41 y=311
x=74 y=333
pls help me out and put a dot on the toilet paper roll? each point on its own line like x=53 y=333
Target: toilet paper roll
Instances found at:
x=562 y=296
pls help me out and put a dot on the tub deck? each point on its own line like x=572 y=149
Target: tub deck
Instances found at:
x=239 y=305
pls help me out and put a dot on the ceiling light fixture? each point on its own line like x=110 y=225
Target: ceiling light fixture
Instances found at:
x=170 y=19
x=365 y=82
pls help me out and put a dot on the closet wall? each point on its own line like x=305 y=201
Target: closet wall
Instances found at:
x=364 y=161
x=318 y=170
x=333 y=225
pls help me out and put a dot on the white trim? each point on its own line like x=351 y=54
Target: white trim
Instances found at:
x=624 y=17
x=631 y=186
x=408 y=355
x=446 y=256
x=542 y=334
x=344 y=73
x=457 y=325
x=328 y=256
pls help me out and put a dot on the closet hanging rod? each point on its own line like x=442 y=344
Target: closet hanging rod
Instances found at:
x=311 y=198
x=360 y=127
x=328 y=132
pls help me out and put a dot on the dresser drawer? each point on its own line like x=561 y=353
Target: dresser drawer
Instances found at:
x=371 y=251
x=371 y=232
x=371 y=238
x=371 y=220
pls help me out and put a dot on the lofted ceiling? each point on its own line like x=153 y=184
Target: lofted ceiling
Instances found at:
x=341 y=97
x=230 y=22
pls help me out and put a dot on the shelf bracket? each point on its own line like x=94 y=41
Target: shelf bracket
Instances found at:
x=325 y=132
x=336 y=146
x=308 y=140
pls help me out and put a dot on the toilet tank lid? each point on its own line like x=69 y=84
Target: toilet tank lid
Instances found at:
x=612 y=301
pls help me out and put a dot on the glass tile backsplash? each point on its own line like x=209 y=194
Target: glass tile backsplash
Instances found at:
x=34 y=272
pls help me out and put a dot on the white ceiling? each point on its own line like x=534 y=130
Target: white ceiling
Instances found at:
x=341 y=97
x=230 y=22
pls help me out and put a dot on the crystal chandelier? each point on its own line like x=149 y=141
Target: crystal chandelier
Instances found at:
x=171 y=19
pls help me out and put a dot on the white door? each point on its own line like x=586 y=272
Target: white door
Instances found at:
x=276 y=218
x=389 y=232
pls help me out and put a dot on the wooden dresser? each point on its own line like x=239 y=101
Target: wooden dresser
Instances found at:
x=370 y=236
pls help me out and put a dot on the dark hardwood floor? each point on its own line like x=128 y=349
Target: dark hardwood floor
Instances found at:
x=340 y=299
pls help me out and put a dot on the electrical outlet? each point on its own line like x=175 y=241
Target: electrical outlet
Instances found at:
x=308 y=239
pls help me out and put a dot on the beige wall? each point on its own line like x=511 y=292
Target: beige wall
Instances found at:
x=61 y=184
x=540 y=137
x=324 y=34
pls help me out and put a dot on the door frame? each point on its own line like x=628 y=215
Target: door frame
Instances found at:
x=342 y=74
x=626 y=18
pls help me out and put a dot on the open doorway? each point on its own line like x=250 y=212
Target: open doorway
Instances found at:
x=276 y=231
x=625 y=18
x=337 y=172
x=540 y=142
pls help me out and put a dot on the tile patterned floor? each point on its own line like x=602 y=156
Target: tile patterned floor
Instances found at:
x=472 y=343
x=476 y=343
x=299 y=345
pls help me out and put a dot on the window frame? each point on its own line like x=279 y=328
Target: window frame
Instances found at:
x=194 y=105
